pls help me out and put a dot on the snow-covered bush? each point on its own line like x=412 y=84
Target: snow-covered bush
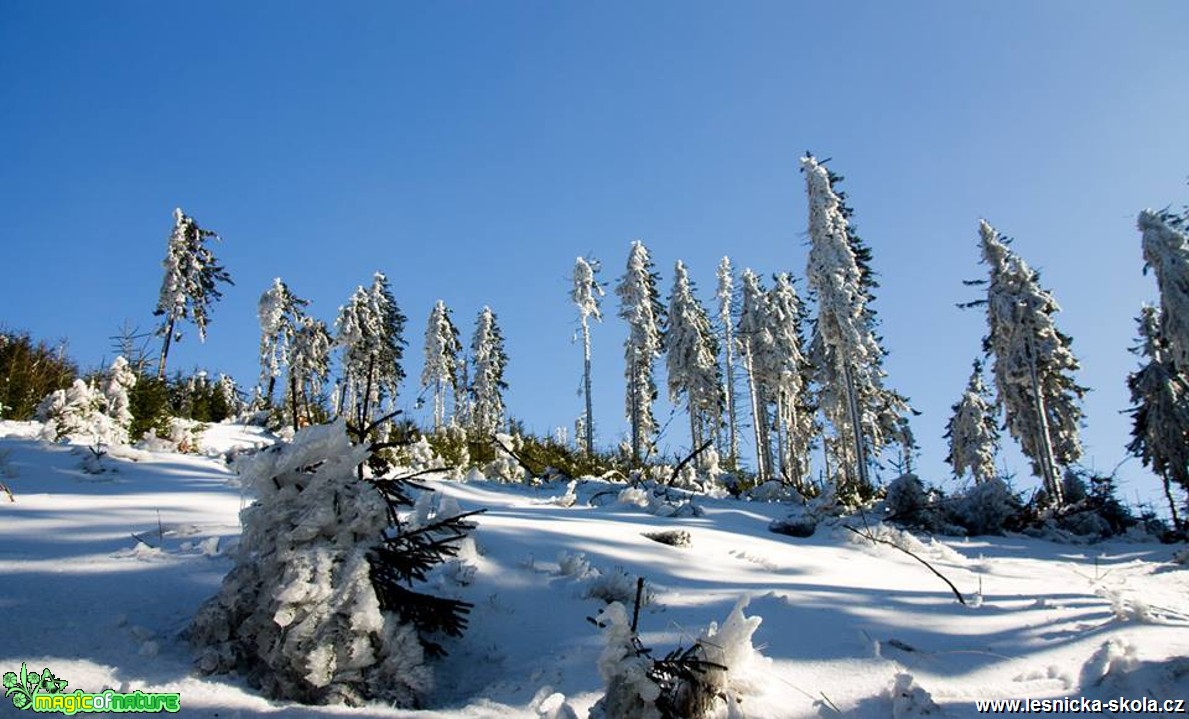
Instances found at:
x=988 y=507
x=909 y=699
x=908 y=502
x=505 y=467
x=78 y=414
x=318 y=607
x=691 y=683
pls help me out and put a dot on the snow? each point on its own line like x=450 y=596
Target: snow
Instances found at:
x=848 y=628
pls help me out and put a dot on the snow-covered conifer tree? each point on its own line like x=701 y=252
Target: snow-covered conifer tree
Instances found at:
x=1166 y=251
x=441 y=359
x=229 y=393
x=754 y=337
x=1160 y=416
x=640 y=306
x=309 y=368
x=845 y=350
x=119 y=382
x=1033 y=363
x=280 y=313
x=487 y=383
x=191 y=283
x=325 y=603
x=784 y=371
x=725 y=295
x=692 y=358
x=79 y=414
x=586 y=293
x=972 y=431
x=370 y=331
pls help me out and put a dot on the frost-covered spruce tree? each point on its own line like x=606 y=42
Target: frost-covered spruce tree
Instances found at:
x=1166 y=251
x=231 y=394
x=1160 y=415
x=309 y=368
x=323 y=605
x=370 y=331
x=972 y=431
x=119 y=382
x=441 y=359
x=754 y=338
x=79 y=414
x=784 y=370
x=488 y=361
x=280 y=313
x=585 y=294
x=1033 y=363
x=640 y=307
x=191 y=283
x=724 y=292
x=845 y=350
x=692 y=359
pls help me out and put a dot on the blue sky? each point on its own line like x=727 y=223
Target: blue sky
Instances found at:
x=471 y=150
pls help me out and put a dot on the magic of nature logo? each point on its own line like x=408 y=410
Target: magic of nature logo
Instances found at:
x=46 y=693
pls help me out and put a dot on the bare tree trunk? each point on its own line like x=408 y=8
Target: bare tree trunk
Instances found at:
x=729 y=391
x=856 y=420
x=1172 y=506
x=165 y=348
x=293 y=400
x=1044 y=440
x=758 y=421
x=634 y=408
x=589 y=426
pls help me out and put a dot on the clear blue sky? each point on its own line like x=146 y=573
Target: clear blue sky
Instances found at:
x=472 y=149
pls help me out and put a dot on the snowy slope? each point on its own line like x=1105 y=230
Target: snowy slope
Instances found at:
x=841 y=618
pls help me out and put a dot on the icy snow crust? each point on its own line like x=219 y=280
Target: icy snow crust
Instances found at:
x=846 y=625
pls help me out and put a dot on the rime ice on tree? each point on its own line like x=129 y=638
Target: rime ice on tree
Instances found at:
x=280 y=313
x=845 y=350
x=585 y=294
x=1033 y=363
x=370 y=328
x=191 y=282
x=692 y=358
x=640 y=307
x=972 y=431
x=488 y=361
x=441 y=359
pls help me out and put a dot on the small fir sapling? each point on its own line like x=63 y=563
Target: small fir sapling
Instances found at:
x=322 y=605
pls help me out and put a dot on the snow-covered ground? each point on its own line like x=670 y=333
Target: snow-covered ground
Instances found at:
x=100 y=575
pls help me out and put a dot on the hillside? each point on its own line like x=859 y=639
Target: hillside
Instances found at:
x=100 y=575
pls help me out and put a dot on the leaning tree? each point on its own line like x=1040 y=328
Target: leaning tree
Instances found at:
x=190 y=285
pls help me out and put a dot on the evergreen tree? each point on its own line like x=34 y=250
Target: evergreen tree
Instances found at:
x=725 y=295
x=1033 y=364
x=191 y=283
x=441 y=359
x=845 y=350
x=488 y=385
x=280 y=313
x=370 y=331
x=640 y=306
x=972 y=431
x=784 y=371
x=693 y=371
x=119 y=382
x=1160 y=415
x=586 y=293
x=309 y=368
x=754 y=338
x=1166 y=251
